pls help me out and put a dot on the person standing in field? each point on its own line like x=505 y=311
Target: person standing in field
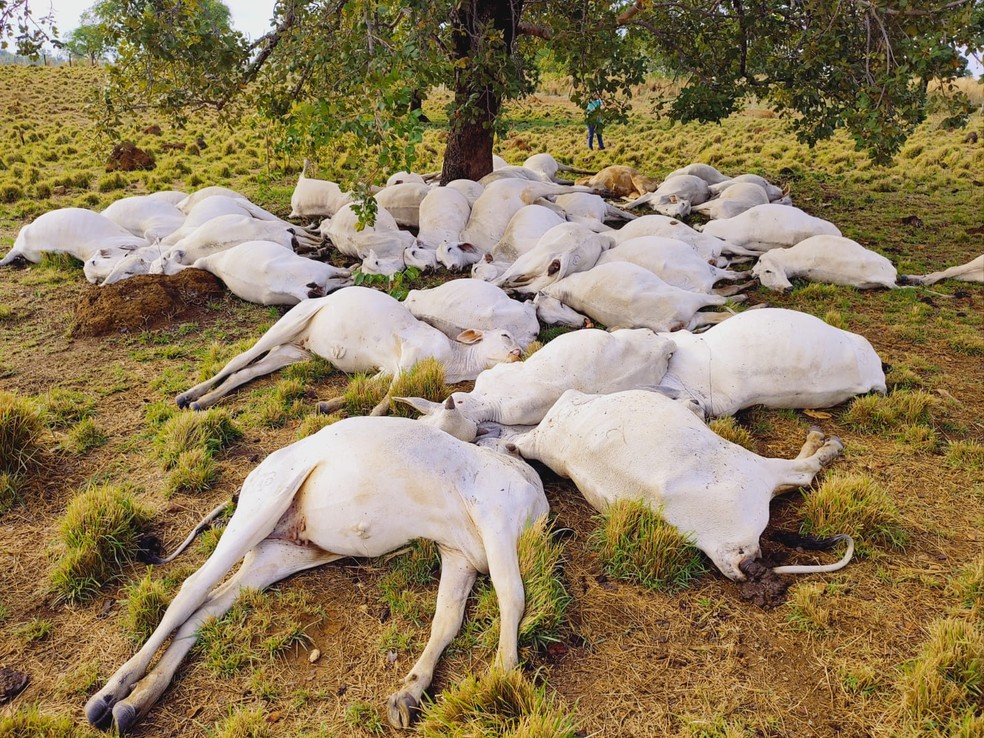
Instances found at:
x=593 y=110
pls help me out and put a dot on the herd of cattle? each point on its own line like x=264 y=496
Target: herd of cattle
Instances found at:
x=621 y=412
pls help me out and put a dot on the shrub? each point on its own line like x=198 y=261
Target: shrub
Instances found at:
x=635 y=544
x=211 y=430
x=20 y=432
x=99 y=532
x=856 y=505
x=501 y=704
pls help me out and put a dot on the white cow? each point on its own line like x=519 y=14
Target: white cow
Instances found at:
x=266 y=273
x=675 y=262
x=772 y=357
x=226 y=231
x=770 y=226
x=831 y=259
x=499 y=202
x=402 y=177
x=469 y=188
x=316 y=198
x=360 y=487
x=591 y=360
x=80 y=233
x=151 y=218
x=548 y=167
x=190 y=201
x=733 y=201
x=523 y=232
x=771 y=191
x=623 y=295
x=443 y=215
x=565 y=249
x=642 y=446
x=972 y=271
x=705 y=171
x=216 y=206
x=708 y=246
x=170 y=196
x=588 y=208
x=357 y=329
x=384 y=239
x=473 y=303
x=402 y=201
x=675 y=196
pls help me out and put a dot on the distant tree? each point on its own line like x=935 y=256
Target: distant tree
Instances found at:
x=90 y=40
x=18 y=24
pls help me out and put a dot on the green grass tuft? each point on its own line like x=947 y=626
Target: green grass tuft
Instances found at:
x=9 y=491
x=399 y=588
x=311 y=424
x=99 y=533
x=365 y=718
x=30 y=722
x=424 y=379
x=211 y=430
x=945 y=682
x=498 y=705
x=61 y=408
x=60 y=263
x=146 y=602
x=965 y=455
x=635 y=544
x=854 y=504
x=275 y=408
x=729 y=430
x=85 y=436
x=364 y=392
x=807 y=610
x=194 y=471
x=876 y=413
x=34 y=630
x=20 y=432
x=243 y=724
x=968 y=586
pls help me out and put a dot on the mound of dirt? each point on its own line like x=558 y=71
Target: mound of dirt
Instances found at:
x=127 y=157
x=145 y=302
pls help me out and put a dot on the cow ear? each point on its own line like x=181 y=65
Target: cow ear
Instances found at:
x=469 y=335
x=488 y=258
x=467 y=248
x=512 y=448
x=422 y=406
x=103 y=253
x=554 y=267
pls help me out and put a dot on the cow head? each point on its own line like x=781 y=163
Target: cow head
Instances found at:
x=771 y=275
x=457 y=256
x=551 y=311
x=444 y=415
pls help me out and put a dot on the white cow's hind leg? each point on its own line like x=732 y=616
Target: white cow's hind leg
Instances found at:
x=457 y=578
x=508 y=582
x=278 y=358
x=271 y=561
x=816 y=453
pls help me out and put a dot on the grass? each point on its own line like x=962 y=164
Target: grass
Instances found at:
x=99 y=534
x=193 y=472
x=400 y=587
x=9 y=491
x=85 y=436
x=21 y=431
x=857 y=505
x=878 y=413
x=211 y=430
x=962 y=454
x=968 y=586
x=62 y=408
x=498 y=705
x=30 y=722
x=729 y=429
x=146 y=602
x=365 y=718
x=942 y=687
x=635 y=544
x=424 y=379
x=36 y=629
x=311 y=424
x=364 y=392
x=807 y=608
x=243 y=724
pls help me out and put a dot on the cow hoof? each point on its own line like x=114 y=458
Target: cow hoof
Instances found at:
x=125 y=717
x=99 y=711
x=182 y=401
x=402 y=709
x=196 y=406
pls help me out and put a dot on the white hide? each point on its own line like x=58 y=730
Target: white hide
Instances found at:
x=316 y=198
x=972 y=271
x=402 y=201
x=75 y=231
x=268 y=274
x=190 y=201
x=501 y=200
x=443 y=215
x=384 y=237
x=623 y=295
x=771 y=191
x=563 y=250
x=170 y=196
x=770 y=226
x=705 y=171
x=401 y=177
x=772 y=357
x=468 y=188
x=216 y=206
x=151 y=218
x=830 y=259
x=226 y=231
x=472 y=303
x=675 y=196
x=335 y=495
x=675 y=262
x=706 y=245
x=524 y=231
x=357 y=329
x=733 y=201
x=589 y=360
x=642 y=446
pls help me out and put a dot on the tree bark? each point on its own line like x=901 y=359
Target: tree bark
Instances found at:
x=476 y=102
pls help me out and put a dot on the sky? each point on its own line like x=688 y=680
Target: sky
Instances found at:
x=252 y=17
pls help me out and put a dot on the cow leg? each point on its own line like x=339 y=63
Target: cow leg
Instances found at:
x=816 y=453
x=733 y=289
x=278 y=358
x=508 y=582
x=271 y=561
x=710 y=318
x=242 y=534
x=457 y=578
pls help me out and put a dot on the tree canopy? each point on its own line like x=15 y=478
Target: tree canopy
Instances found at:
x=342 y=74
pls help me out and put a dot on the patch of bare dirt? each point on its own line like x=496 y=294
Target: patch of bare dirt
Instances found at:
x=145 y=302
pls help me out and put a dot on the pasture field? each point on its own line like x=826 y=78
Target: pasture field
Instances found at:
x=893 y=645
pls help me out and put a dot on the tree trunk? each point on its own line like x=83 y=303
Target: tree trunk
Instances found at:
x=476 y=101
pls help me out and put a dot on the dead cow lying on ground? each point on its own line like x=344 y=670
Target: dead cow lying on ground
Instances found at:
x=327 y=497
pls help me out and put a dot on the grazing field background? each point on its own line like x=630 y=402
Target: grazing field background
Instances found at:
x=892 y=645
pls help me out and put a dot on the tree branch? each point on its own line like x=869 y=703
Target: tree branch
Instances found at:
x=532 y=29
